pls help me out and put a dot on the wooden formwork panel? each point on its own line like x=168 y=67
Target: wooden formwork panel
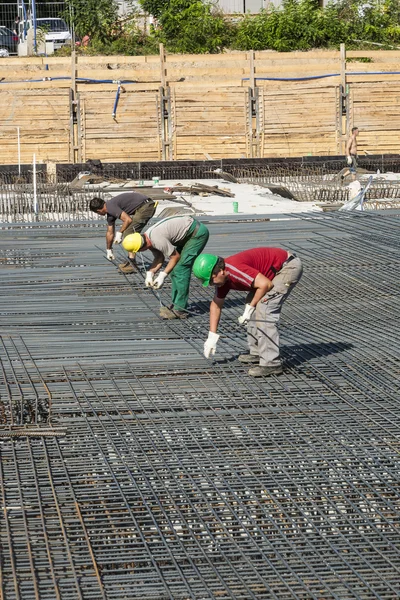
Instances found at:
x=299 y=120
x=42 y=117
x=134 y=135
x=209 y=112
x=375 y=109
x=213 y=122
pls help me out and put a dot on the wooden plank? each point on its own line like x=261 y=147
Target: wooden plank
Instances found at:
x=373 y=53
x=312 y=54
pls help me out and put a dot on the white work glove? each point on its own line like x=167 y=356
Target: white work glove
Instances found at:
x=210 y=345
x=110 y=255
x=248 y=311
x=159 y=280
x=349 y=161
x=149 y=281
x=118 y=237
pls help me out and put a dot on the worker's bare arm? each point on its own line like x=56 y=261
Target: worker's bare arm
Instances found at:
x=262 y=286
x=173 y=260
x=349 y=146
x=158 y=260
x=126 y=221
x=109 y=236
x=215 y=312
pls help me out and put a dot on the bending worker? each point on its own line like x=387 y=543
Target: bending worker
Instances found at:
x=135 y=211
x=180 y=239
x=268 y=275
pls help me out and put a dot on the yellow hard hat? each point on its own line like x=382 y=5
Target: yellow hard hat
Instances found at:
x=133 y=242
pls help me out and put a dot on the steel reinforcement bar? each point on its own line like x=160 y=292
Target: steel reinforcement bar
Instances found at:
x=179 y=477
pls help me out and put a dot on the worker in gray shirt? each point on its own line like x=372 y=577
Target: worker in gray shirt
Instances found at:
x=179 y=239
x=135 y=211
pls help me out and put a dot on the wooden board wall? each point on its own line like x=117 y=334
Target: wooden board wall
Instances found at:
x=209 y=110
x=375 y=109
x=43 y=121
x=285 y=110
x=213 y=123
x=132 y=136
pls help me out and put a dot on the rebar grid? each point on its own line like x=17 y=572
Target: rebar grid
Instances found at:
x=52 y=202
x=310 y=183
x=185 y=478
x=317 y=181
x=204 y=169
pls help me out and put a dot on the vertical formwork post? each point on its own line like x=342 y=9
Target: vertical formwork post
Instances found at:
x=343 y=100
x=74 y=145
x=162 y=66
x=165 y=125
x=254 y=133
x=165 y=110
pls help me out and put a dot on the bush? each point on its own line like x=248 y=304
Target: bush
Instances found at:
x=299 y=25
x=128 y=44
x=193 y=27
x=302 y=25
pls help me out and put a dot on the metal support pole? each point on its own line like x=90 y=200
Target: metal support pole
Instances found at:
x=35 y=204
x=19 y=151
x=34 y=26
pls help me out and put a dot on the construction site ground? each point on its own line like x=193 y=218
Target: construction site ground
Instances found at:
x=164 y=475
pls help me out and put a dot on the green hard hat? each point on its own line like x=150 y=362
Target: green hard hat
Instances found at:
x=203 y=267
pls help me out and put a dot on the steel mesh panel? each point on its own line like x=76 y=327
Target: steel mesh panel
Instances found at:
x=185 y=478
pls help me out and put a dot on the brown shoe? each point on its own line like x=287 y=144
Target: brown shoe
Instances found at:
x=165 y=311
x=127 y=267
x=171 y=313
x=180 y=314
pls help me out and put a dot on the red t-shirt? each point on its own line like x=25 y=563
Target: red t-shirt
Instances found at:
x=244 y=267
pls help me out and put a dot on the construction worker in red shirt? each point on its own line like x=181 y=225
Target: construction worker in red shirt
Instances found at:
x=268 y=275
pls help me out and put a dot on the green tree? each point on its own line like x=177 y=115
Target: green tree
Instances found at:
x=154 y=7
x=193 y=26
x=97 y=18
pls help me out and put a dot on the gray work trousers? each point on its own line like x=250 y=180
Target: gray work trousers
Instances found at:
x=262 y=329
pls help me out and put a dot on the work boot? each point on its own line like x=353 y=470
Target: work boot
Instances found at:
x=127 y=267
x=265 y=371
x=180 y=314
x=165 y=312
x=168 y=312
x=249 y=358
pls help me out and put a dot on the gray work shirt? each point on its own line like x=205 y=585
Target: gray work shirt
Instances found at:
x=166 y=234
x=127 y=202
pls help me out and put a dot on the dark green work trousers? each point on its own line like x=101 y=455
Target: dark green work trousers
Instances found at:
x=180 y=276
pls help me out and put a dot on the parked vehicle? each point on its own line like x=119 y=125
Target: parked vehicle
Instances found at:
x=56 y=31
x=8 y=42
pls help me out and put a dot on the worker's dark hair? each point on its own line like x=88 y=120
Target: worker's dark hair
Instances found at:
x=354 y=129
x=96 y=204
x=143 y=243
x=219 y=266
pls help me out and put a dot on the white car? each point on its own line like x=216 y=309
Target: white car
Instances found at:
x=56 y=31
